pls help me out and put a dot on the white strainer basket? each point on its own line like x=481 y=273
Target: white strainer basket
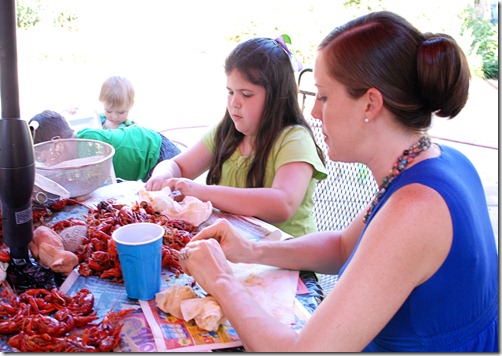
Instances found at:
x=78 y=165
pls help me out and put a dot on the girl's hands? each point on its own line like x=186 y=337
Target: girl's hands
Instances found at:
x=156 y=181
x=186 y=187
x=161 y=173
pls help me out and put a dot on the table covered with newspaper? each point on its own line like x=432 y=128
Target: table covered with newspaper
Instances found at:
x=148 y=329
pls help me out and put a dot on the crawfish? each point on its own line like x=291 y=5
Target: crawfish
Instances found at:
x=147 y=207
x=170 y=260
x=83 y=320
x=84 y=269
x=4 y=253
x=59 y=300
x=98 y=235
x=63 y=224
x=33 y=343
x=15 y=321
x=59 y=325
x=66 y=322
x=39 y=214
x=99 y=261
x=106 y=335
x=113 y=273
x=61 y=204
x=112 y=251
x=82 y=303
x=38 y=299
x=126 y=216
x=12 y=325
x=74 y=344
x=98 y=244
x=7 y=309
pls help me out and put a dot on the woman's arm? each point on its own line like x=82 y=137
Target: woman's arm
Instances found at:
x=404 y=246
x=323 y=252
x=189 y=164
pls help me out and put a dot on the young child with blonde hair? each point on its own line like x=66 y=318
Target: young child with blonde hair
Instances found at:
x=117 y=97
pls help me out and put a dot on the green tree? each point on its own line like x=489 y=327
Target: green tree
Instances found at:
x=484 y=34
x=28 y=13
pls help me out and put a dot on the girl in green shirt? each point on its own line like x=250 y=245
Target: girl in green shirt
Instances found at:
x=261 y=159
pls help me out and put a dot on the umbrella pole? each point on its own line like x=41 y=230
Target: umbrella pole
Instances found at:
x=17 y=164
x=9 y=88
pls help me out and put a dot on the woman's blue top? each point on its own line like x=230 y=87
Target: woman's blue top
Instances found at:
x=457 y=308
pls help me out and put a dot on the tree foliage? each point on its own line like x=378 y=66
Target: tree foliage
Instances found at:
x=484 y=34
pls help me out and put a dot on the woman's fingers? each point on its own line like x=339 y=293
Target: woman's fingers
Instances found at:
x=219 y=229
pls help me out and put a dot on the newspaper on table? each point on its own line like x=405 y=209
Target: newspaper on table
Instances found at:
x=149 y=329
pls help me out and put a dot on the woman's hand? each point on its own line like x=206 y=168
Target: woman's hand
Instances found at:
x=206 y=262
x=237 y=248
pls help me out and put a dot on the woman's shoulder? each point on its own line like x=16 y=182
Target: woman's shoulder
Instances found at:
x=446 y=165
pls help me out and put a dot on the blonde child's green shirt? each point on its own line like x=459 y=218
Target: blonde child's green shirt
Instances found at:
x=294 y=144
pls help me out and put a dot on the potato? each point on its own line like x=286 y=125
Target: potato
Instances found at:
x=48 y=249
x=73 y=237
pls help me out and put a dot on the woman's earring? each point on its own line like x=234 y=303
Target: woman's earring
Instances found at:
x=366 y=120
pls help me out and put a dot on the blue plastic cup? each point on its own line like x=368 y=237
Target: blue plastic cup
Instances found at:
x=139 y=247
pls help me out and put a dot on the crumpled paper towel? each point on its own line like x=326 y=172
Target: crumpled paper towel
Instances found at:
x=182 y=303
x=190 y=209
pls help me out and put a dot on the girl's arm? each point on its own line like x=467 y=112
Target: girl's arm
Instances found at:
x=189 y=164
x=275 y=204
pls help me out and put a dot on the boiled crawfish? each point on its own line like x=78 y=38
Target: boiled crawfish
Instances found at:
x=98 y=254
x=52 y=321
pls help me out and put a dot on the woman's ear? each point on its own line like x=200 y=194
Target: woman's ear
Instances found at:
x=374 y=104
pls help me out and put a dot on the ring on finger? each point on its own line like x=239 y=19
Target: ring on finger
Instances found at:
x=183 y=254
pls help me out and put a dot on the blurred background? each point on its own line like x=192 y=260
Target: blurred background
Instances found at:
x=173 y=51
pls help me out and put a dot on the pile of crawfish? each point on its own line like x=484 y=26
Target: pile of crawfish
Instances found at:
x=98 y=255
x=51 y=321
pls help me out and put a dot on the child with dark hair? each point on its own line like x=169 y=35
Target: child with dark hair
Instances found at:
x=137 y=149
x=262 y=159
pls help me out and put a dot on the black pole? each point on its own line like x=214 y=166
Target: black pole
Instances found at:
x=17 y=164
x=9 y=89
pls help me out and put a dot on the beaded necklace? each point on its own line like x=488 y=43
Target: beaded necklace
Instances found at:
x=408 y=156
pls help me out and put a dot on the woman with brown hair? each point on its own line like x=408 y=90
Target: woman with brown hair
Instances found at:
x=418 y=268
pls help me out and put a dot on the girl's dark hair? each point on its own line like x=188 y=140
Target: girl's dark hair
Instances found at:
x=417 y=74
x=50 y=125
x=263 y=62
